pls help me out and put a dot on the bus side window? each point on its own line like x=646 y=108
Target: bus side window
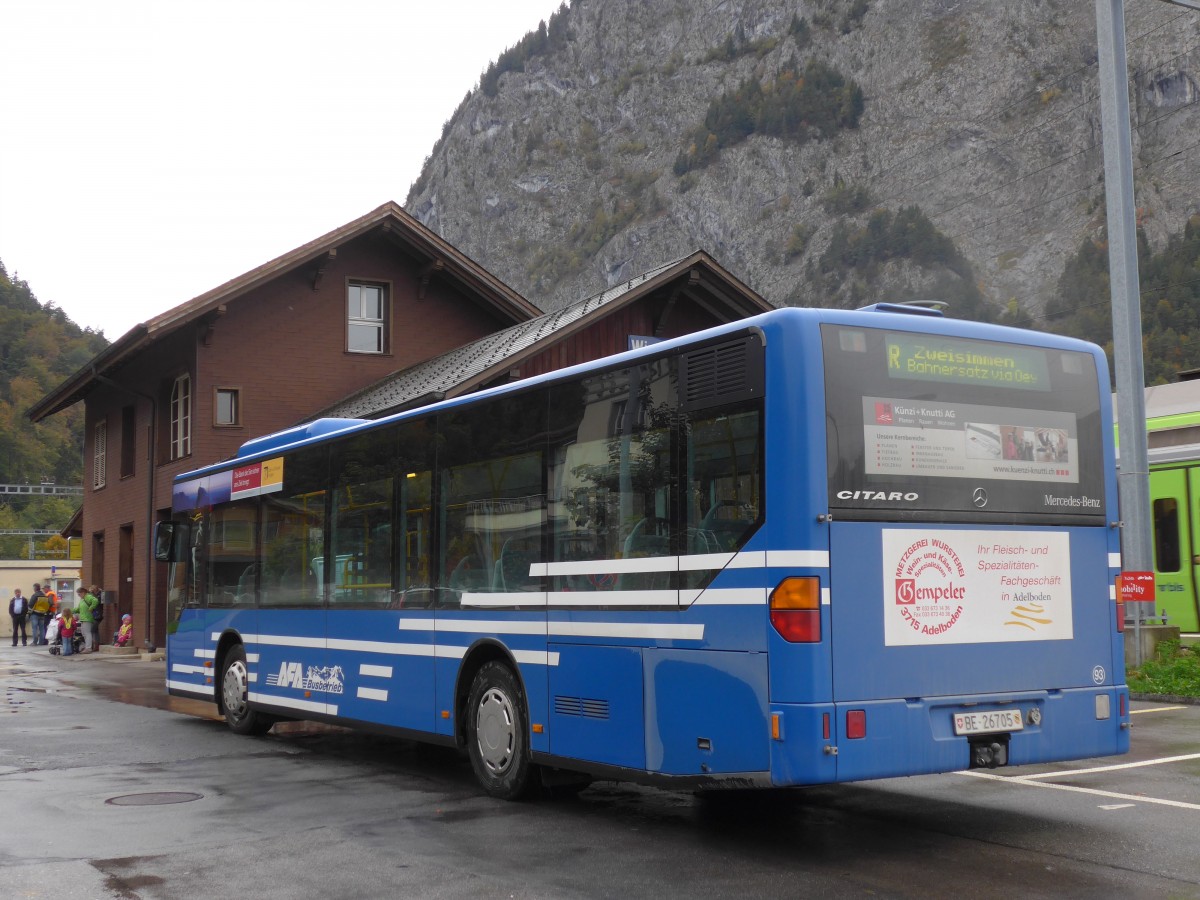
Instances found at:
x=232 y=533
x=492 y=499
x=293 y=534
x=724 y=479
x=613 y=475
x=1167 y=557
x=361 y=533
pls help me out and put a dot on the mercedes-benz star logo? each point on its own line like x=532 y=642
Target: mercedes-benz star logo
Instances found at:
x=979 y=498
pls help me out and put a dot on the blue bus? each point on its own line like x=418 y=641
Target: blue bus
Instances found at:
x=810 y=546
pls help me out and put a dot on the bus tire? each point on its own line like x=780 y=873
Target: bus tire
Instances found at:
x=240 y=718
x=498 y=733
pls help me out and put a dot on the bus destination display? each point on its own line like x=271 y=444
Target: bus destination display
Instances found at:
x=995 y=365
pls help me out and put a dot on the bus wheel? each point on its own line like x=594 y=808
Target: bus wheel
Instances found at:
x=498 y=734
x=234 y=680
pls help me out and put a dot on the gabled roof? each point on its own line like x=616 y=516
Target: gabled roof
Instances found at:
x=474 y=365
x=402 y=228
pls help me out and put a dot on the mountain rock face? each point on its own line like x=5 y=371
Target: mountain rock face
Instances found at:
x=631 y=132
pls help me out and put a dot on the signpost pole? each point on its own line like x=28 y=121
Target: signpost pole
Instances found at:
x=1133 y=480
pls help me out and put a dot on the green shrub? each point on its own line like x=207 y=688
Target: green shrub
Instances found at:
x=1174 y=670
x=795 y=106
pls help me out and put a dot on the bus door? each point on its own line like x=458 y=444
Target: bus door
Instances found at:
x=381 y=604
x=292 y=666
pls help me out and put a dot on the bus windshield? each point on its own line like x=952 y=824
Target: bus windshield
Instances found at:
x=932 y=428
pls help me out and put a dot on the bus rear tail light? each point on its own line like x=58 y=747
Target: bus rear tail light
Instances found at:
x=796 y=609
x=1120 y=609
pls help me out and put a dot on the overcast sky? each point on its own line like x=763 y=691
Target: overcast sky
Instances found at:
x=152 y=150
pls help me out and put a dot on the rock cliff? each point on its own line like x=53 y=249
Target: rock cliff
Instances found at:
x=568 y=169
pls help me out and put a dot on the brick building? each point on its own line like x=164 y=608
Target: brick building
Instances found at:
x=255 y=355
x=377 y=316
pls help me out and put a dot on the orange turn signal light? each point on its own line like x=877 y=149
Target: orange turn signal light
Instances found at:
x=796 y=609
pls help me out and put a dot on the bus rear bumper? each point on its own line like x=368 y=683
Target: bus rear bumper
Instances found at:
x=852 y=741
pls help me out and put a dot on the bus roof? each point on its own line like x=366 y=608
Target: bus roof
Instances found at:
x=898 y=316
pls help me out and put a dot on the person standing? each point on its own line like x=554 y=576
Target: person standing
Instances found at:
x=18 y=608
x=66 y=630
x=39 y=606
x=86 y=613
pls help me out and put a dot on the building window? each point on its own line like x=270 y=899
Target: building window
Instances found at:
x=366 y=325
x=128 y=441
x=100 y=456
x=228 y=408
x=181 y=417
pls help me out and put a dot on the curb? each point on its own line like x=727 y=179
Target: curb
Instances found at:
x=1166 y=698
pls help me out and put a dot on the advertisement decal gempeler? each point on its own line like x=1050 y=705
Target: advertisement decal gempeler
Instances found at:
x=975 y=587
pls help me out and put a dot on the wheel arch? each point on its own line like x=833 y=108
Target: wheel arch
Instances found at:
x=228 y=640
x=479 y=654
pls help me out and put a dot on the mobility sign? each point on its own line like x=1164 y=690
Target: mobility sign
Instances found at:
x=1136 y=587
x=975 y=587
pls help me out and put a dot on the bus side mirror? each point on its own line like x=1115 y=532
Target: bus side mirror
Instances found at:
x=168 y=541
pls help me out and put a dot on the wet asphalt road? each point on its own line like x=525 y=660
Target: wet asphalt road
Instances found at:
x=110 y=789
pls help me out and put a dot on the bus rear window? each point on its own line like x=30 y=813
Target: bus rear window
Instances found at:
x=934 y=428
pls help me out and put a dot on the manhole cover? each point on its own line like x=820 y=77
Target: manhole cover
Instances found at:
x=157 y=798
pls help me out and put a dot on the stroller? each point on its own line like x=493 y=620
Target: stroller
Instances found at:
x=54 y=639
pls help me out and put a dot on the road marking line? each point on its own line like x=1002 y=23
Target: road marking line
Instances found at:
x=1113 y=768
x=1117 y=805
x=1157 y=709
x=1081 y=790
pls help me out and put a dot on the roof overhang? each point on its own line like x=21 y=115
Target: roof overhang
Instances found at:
x=700 y=278
x=442 y=261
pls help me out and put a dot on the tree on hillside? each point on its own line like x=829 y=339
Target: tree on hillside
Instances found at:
x=39 y=347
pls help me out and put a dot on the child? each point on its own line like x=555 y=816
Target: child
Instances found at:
x=125 y=632
x=66 y=630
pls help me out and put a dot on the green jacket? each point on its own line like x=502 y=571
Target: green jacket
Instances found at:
x=86 y=610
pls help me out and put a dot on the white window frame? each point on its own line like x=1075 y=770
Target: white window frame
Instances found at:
x=99 y=455
x=181 y=417
x=236 y=394
x=356 y=317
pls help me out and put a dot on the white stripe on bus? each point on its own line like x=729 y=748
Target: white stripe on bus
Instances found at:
x=375 y=671
x=190 y=670
x=276 y=640
x=1114 y=560
x=647 y=630
x=472 y=626
x=205 y=689
x=791 y=559
x=204 y=654
x=328 y=709
x=746 y=559
x=440 y=651
x=567 y=599
x=365 y=693
x=500 y=598
x=725 y=597
x=627 y=630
